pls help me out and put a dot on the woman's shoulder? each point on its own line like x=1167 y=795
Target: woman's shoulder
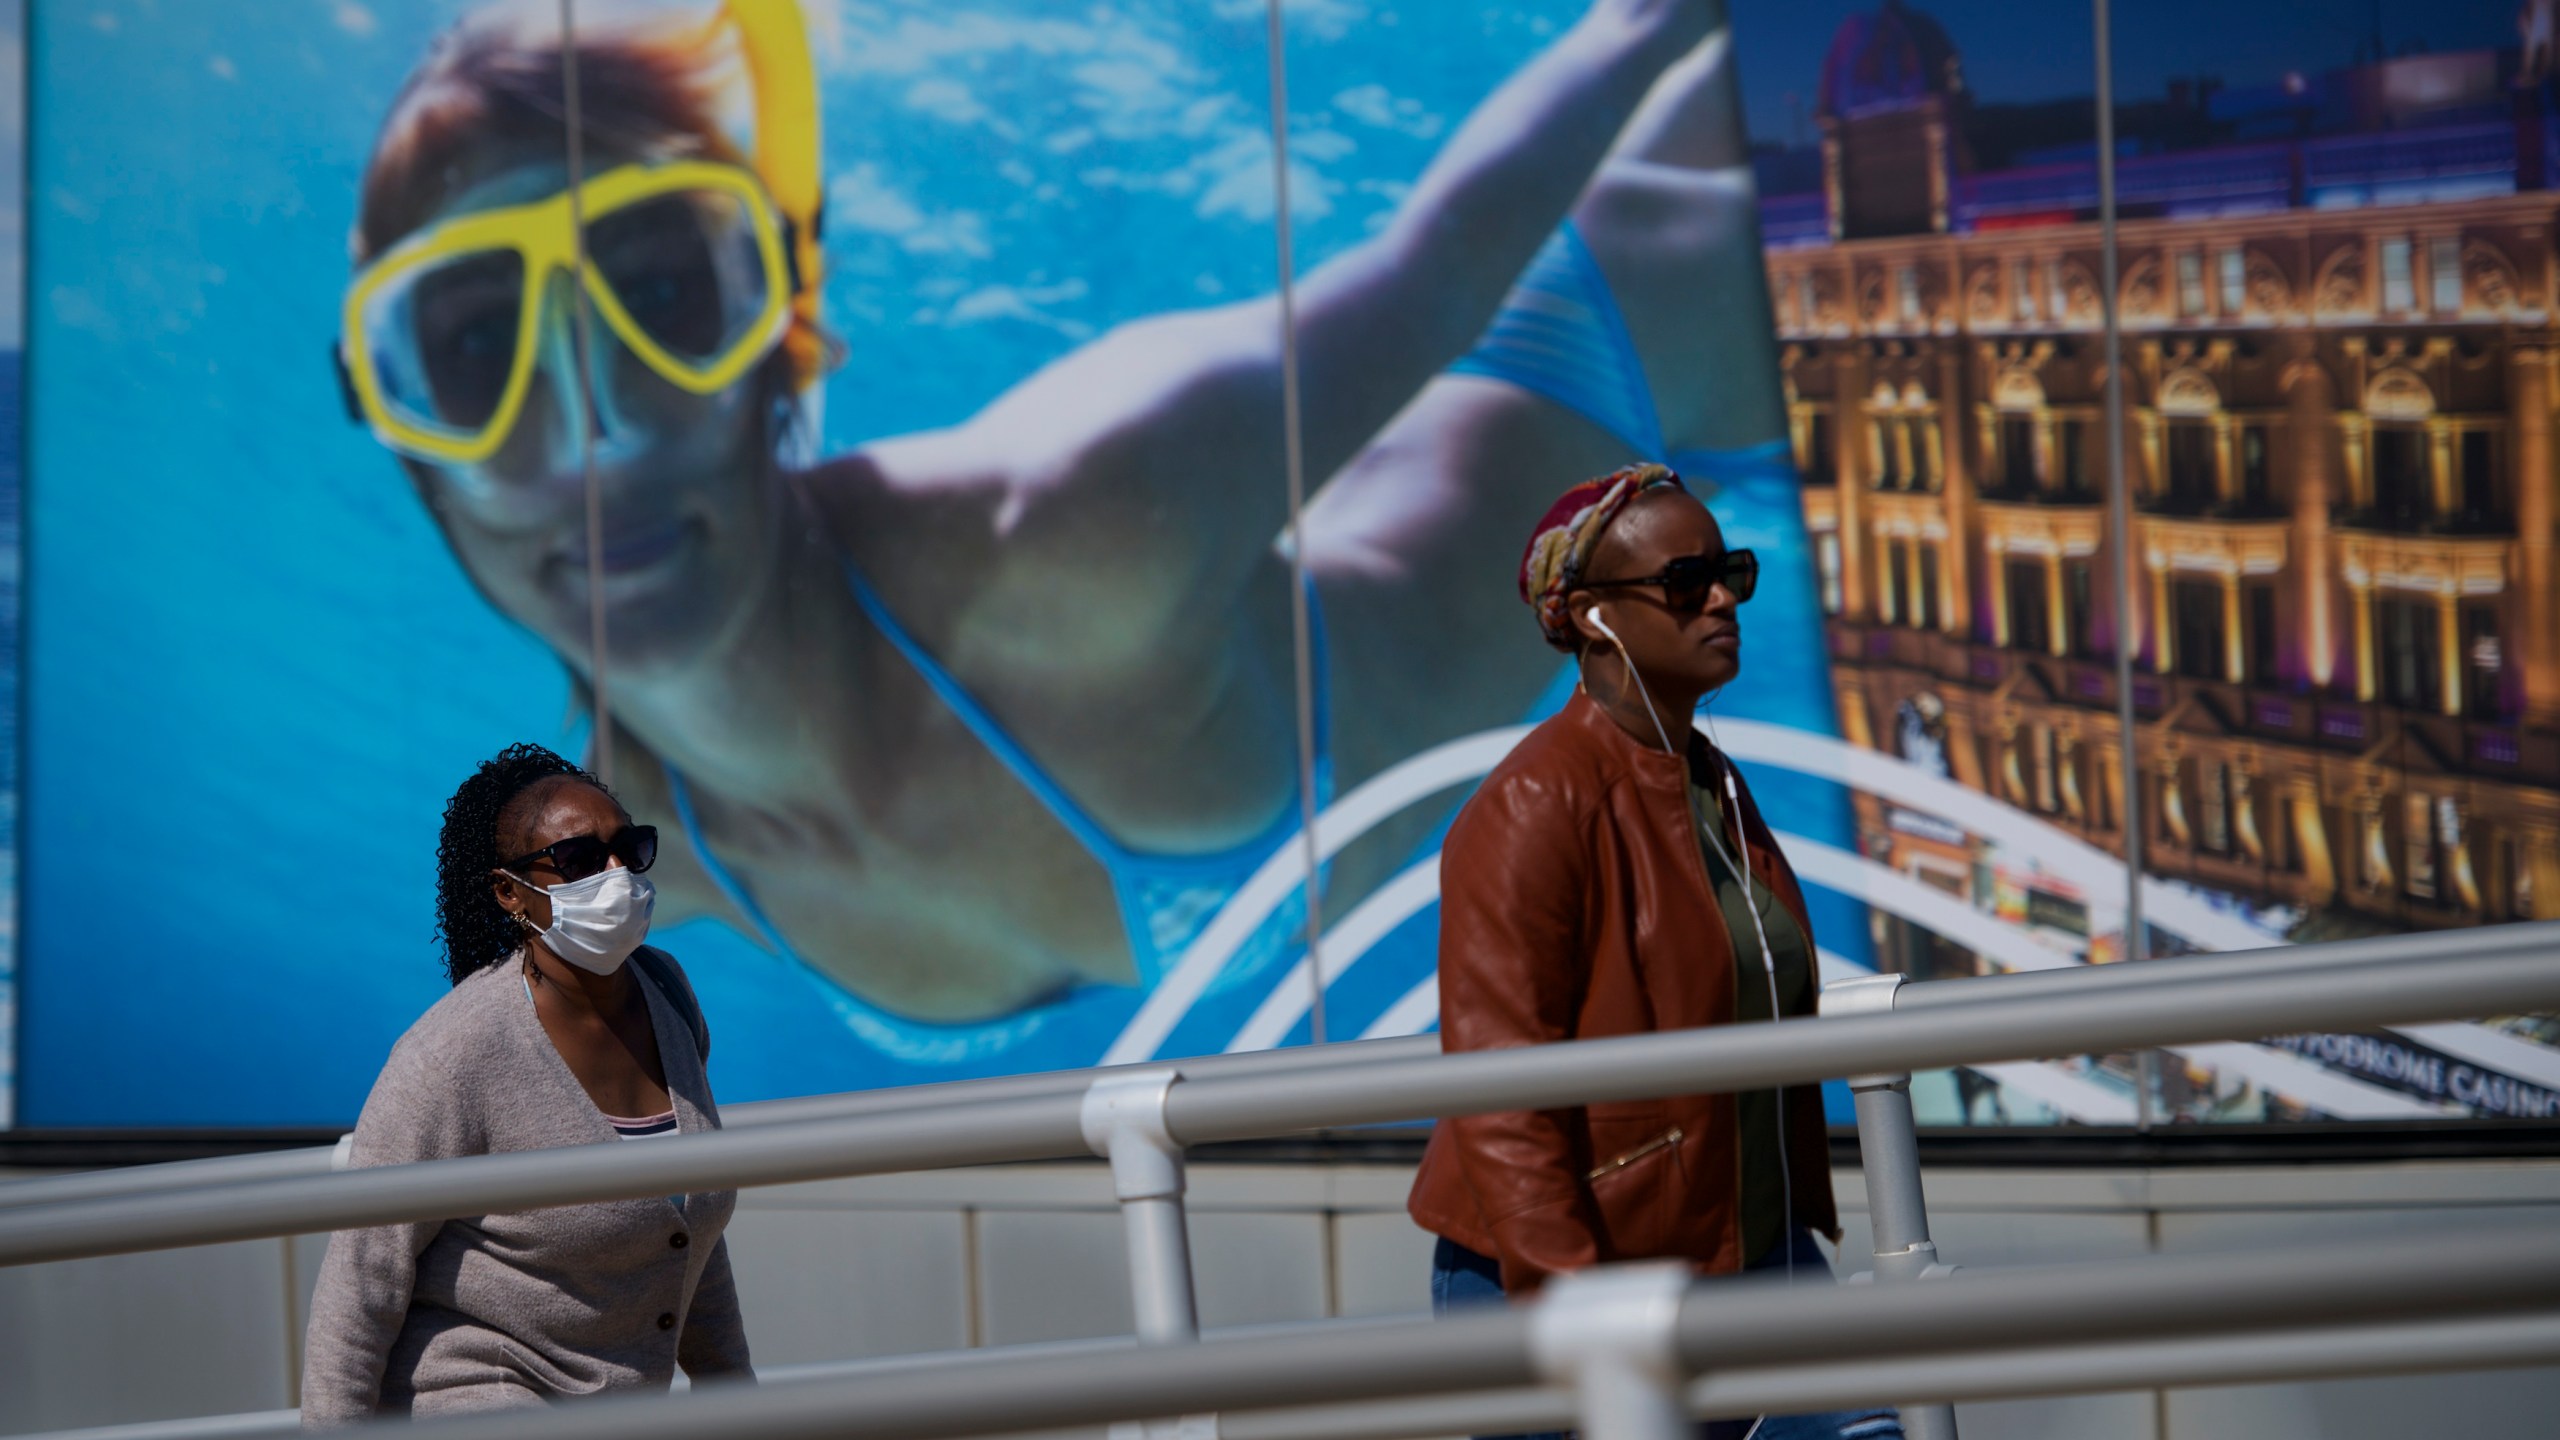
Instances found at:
x=468 y=1026
x=1554 y=781
x=1558 y=761
x=431 y=1098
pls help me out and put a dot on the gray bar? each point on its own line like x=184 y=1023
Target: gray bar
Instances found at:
x=2477 y=1271
x=168 y=1175
x=315 y=1160
x=1745 y=1057
x=1259 y=1063
x=1217 y=1107
x=2513 y=1271
x=939 y=1137
x=997 y=1392
x=254 y=1425
x=2541 y=937
x=2325 y=1353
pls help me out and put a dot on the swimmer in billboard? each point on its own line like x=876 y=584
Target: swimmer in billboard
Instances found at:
x=967 y=718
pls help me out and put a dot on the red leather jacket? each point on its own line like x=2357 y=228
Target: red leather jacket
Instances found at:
x=1575 y=904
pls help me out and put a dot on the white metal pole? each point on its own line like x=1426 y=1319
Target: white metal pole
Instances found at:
x=1611 y=1337
x=1889 y=1159
x=1124 y=1122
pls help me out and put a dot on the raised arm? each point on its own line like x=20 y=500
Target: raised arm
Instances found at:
x=1379 y=320
x=1162 y=438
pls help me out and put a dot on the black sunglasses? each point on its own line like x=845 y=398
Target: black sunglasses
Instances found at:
x=1686 y=581
x=580 y=856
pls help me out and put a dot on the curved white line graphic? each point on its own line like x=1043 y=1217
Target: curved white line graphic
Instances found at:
x=2065 y=855
x=1373 y=920
x=2494 y=1049
x=1412 y=1015
x=2052 y=848
x=1931 y=909
x=2012 y=949
x=2095 y=871
x=2063 y=1090
x=1343 y=822
x=2281 y=1072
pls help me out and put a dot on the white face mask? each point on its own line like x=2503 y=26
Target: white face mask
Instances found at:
x=597 y=922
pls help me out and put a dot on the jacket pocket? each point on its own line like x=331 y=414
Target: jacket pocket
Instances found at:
x=1640 y=1191
x=1657 y=1144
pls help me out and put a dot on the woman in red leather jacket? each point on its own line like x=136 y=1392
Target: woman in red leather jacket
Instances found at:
x=1594 y=886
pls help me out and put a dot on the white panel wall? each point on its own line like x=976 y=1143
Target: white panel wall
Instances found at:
x=839 y=1284
x=2028 y=1218
x=143 y=1337
x=904 y=1264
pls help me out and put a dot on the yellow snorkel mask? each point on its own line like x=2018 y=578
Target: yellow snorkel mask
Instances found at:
x=701 y=269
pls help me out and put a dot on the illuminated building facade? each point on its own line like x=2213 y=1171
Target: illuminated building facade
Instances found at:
x=2338 y=433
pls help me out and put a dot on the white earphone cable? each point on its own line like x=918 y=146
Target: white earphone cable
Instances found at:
x=1768 y=957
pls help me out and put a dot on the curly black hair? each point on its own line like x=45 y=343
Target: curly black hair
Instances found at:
x=498 y=799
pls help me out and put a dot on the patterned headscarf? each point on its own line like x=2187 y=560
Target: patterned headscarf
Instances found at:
x=1569 y=532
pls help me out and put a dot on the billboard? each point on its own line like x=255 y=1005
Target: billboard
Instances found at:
x=892 y=493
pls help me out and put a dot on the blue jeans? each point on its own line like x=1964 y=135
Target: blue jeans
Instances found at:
x=1461 y=1277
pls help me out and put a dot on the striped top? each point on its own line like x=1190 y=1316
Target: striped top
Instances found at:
x=645 y=1127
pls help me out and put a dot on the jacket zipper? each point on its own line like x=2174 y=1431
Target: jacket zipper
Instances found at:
x=1664 y=1141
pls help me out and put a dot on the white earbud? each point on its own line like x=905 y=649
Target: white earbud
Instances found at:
x=1593 y=615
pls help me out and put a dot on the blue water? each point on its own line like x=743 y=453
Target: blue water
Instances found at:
x=255 y=674
x=256 y=671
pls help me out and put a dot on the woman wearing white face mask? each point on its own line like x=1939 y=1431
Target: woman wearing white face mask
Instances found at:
x=562 y=1029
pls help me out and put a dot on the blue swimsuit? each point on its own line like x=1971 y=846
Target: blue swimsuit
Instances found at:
x=1165 y=900
x=1561 y=336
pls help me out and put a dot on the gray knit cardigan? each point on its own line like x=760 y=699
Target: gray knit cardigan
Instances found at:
x=505 y=1310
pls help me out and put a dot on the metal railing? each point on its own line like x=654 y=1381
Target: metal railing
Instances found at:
x=1627 y=1381
x=2081 y=980
x=322 y=1159
x=1765 y=1349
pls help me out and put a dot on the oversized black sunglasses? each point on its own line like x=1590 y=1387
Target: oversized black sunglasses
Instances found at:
x=1687 y=580
x=580 y=856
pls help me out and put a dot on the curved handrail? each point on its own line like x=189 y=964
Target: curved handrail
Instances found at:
x=1325 y=1091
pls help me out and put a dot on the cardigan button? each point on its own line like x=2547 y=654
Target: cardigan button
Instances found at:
x=677 y=1241
x=667 y=1321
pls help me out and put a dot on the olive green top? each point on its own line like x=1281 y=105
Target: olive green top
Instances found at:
x=1763 y=1177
